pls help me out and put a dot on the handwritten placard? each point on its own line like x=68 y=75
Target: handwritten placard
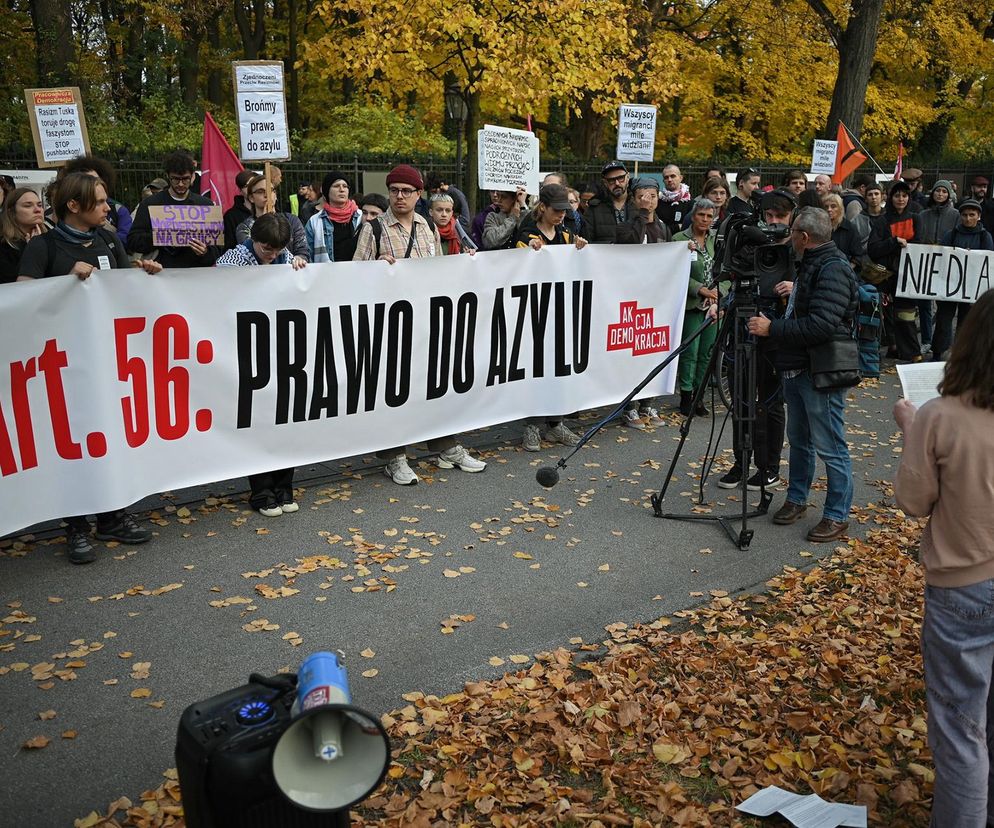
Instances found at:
x=508 y=159
x=176 y=225
x=58 y=125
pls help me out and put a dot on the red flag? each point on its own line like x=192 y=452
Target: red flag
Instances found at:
x=899 y=166
x=220 y=166
x=847 y=157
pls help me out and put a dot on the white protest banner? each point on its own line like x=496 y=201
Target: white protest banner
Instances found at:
x=948 y=274
x=636 y=132
x=823 y=157
x=125 y=384
x=58 y=125
x=176 y=225
x=508 y=158
x=260 y=103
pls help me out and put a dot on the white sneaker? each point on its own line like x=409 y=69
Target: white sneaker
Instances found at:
x=400 y=472
x=651 y=415
x=271 y=511
x=561 y=434
x=632 y=419
x=458 y=458
x=288 y=508
x=532 y=441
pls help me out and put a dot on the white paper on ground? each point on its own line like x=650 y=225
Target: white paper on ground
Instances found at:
x=803 y=811
x=920 y=381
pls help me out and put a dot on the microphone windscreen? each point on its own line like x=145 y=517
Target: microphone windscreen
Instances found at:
x=547 y=476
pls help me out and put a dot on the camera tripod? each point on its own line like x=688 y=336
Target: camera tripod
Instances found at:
x=743 y=410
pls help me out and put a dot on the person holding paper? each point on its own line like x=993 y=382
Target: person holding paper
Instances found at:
x=947 y=474
x=80 y=245
x=180 y=168
x=890 y=235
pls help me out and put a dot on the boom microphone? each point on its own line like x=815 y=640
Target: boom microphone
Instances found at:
x=547 y=476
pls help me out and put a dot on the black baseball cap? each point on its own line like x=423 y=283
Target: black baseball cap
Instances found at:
x=613 y=165
x=555 y=196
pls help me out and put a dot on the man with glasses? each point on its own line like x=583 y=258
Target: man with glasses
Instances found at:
x=179 y=167
x=609 y=207
x=746 y=184
x=401 y=233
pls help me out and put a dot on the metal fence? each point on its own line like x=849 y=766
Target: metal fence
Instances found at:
x=135 y=171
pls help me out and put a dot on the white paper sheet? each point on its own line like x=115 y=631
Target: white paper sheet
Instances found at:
x=920 y=381
x=803 y=811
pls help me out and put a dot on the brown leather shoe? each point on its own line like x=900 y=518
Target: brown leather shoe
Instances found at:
x=789 y=513
x=827 y=530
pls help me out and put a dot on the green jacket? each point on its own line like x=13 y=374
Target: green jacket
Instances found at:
x=698 y=276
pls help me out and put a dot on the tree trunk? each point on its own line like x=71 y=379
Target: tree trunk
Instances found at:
x=189 y=64
x=472 y=158
x=54 y=39
x=291 y=65
x=253 y=34
x=215 y=89
x=856 y=45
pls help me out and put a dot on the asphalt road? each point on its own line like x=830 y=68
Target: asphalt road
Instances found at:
x=535 y=570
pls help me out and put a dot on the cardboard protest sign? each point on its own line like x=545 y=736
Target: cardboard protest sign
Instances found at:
x=176 y=225
x=823 y=157
x=260 y=103
x=947 y=274
x=58 y=125
x=508 y=159
x=636 y=132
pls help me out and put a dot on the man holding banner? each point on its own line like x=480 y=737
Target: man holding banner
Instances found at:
x=180 y=168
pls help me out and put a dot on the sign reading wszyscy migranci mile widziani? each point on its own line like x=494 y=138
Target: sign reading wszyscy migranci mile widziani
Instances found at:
x=508 y=159
x=260 y=102
x=636 y=132
x=58 y=125
x=176 y=225
x=823 y=157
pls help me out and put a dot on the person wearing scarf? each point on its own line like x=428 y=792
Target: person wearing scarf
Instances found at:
x=79 y=245
x=455 y=239
x=333 y=231
x=674 y=199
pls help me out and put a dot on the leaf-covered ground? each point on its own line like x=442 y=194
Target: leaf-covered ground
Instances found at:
x=814 y=686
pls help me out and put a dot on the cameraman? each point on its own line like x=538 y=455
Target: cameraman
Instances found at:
x=823 y=303
x=768 y=428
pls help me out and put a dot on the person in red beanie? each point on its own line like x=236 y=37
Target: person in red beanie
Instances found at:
x=401 y=233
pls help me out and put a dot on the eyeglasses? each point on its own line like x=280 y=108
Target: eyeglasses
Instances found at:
x=616 y=179
x=401 y=192
x=269 y=250
x=259 y=191
x=181 y=179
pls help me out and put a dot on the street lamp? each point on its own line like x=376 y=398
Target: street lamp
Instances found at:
x=456 y=109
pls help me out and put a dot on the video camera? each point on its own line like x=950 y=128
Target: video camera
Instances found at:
x=752 y=256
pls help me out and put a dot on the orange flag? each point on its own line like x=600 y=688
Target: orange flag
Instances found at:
x=847 y=157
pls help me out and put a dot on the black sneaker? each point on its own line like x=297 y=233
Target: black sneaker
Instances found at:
x=764 y=479
x=126 y=530
x=731 y=479
x=81 y=551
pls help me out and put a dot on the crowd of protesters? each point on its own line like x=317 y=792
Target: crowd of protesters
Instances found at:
x=861 y=229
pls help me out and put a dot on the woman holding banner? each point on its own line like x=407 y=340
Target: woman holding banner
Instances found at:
x=260 y=199
x=80 y=245
x=22 y=219
x=968 y=234
x=947 y=474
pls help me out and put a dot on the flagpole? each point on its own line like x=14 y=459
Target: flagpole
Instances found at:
x=866 y=152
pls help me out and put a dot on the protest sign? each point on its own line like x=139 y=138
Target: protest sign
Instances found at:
x=176 y=225
x=947 y=274
x=58 y=125
x=260 y=102
x=823 y=157
x=636 y=132
x=37 y=180
x=204 y=374
x=508 y=159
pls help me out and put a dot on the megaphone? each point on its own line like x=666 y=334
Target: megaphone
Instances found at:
x=333 y=755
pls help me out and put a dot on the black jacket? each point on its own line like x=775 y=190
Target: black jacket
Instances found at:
x=602 y=227
x=976 y=238
x=233 y=216
x=882 y=245
x=848 y=240
x=673 y=213
x=140 y=239
x=825 y=303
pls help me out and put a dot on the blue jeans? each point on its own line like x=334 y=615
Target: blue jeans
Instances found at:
x=958 y=651
x=815 y=425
